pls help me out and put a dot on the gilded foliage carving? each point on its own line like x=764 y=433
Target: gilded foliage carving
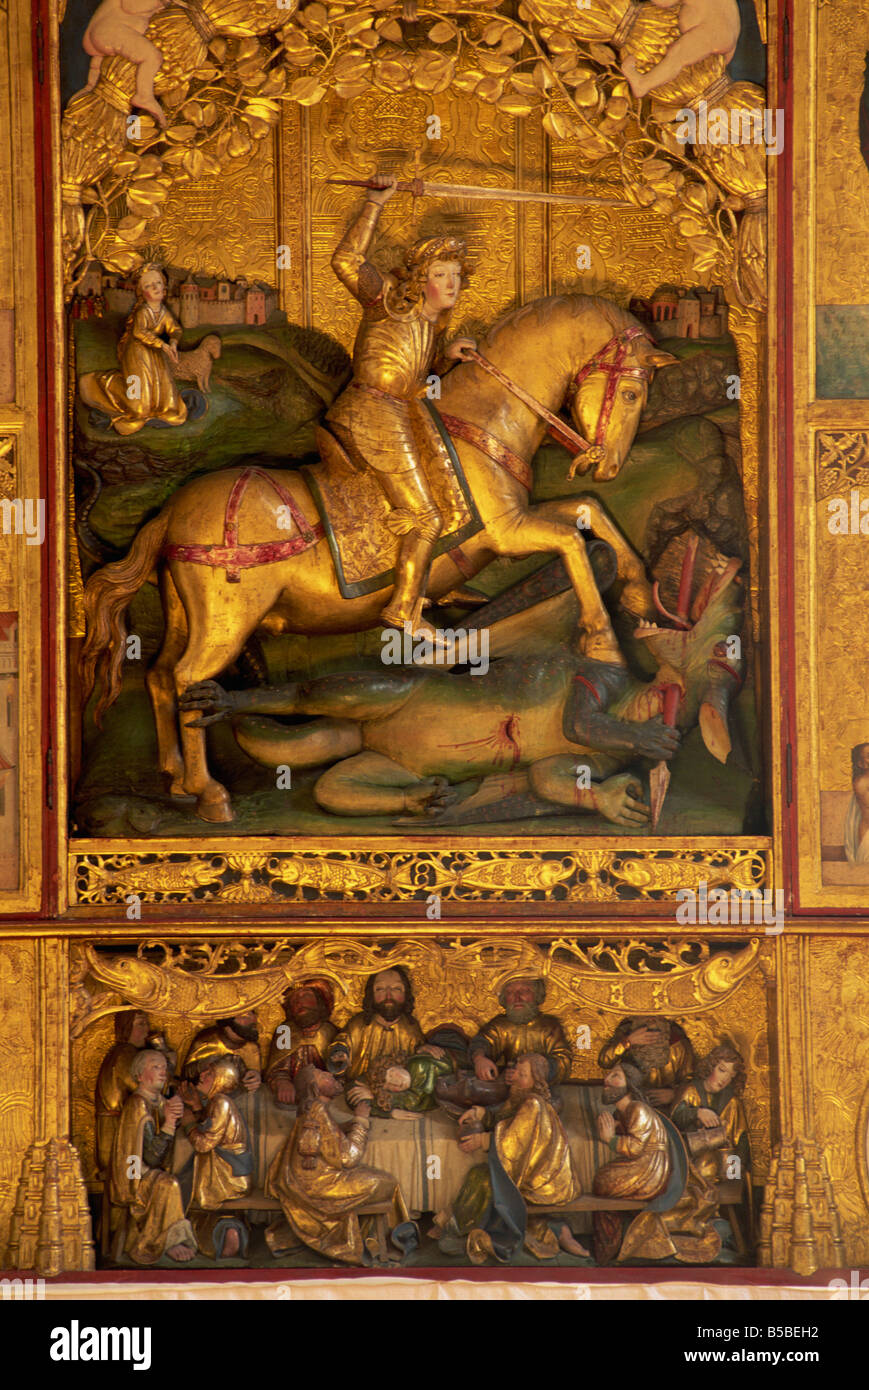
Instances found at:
x=163 y=873
x=839 y=1045
x=842 y=460
x=229 y=64
x=842 y=195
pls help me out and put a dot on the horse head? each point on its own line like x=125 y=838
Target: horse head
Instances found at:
x=608 y=394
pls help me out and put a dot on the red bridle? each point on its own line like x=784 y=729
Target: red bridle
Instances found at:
x=614 y=371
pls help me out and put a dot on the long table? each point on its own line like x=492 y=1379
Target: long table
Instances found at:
x=419 y=1150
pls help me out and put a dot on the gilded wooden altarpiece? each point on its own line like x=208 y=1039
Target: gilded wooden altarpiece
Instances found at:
x=202 y=889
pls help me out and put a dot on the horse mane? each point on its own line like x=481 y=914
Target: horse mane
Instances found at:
x=543 y=311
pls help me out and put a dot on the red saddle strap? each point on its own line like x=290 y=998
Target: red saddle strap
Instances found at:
x=234 y=557
x=488 y=444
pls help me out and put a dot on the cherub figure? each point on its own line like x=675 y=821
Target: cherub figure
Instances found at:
x=118 y=27
x=707 y=27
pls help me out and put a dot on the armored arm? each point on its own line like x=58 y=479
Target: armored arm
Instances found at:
x=349 y=259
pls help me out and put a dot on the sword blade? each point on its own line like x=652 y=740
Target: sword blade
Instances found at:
x=519 y=195
x=509 y=195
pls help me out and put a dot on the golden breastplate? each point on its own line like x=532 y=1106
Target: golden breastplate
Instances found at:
x=394 y=357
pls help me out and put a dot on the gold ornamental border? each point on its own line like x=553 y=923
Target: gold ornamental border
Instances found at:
x=247 y=874
x=200 y=983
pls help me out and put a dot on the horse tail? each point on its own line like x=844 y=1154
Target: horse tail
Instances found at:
x=106 y=597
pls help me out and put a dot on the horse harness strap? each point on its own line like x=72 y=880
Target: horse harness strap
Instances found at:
x=492 y=447
x=559 y=429
x=619 y=346
x=234 y=557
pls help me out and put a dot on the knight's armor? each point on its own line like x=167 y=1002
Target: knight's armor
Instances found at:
x=380 y=419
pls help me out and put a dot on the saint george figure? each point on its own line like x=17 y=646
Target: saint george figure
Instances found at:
x=321 y=1182
x=303 y=1038
x=529 y=1164
x=238 y=1035
x=385 y=1027
x=144 y=389
x=380 y=419
x=857 y=818
x=520 y=1029
x=138 y=1179
x=115 y=1081
x=660 y=1048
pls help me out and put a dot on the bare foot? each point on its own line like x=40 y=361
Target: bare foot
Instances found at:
x=425 y=795
x=567 y=1240
x=153 y=108
x=181 y=1253
x=231 y=1244
x=632 y=73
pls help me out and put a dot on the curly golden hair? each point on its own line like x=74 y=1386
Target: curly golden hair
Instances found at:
x=724 y=1053
x=403 y=300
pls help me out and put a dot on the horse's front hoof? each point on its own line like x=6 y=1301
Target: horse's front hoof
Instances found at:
x=602 y=646
x=637 y=599
x=216 y=807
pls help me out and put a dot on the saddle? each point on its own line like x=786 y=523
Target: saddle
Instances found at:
x=356 y=516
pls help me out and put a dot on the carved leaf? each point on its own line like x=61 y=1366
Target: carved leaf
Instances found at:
x=433 y=72
x=490 y=89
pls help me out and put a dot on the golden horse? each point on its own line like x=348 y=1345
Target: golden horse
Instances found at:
x=570 y=348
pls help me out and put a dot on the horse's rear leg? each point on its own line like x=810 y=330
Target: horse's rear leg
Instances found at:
x=161 y=686
x=219 y=626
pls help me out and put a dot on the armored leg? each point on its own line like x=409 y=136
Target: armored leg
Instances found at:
x=415 y=517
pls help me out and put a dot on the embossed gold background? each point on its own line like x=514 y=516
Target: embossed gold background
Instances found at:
x=831 y=232
x=838 y=1036
x=843 y=188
